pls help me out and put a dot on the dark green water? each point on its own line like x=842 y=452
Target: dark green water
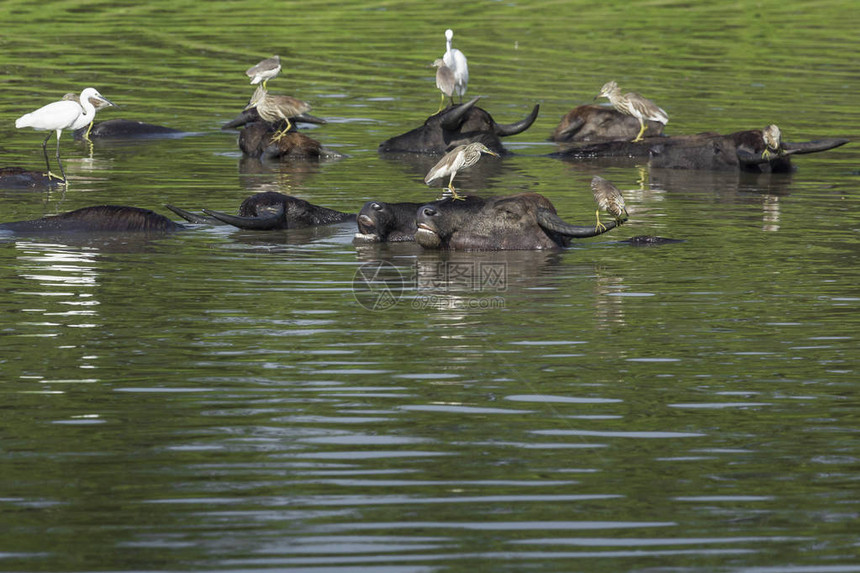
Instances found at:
x=219 y=400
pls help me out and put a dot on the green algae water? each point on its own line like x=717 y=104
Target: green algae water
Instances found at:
x=224 y=400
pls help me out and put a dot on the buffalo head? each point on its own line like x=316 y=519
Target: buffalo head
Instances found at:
x=457 y=125
x=526 y=221
x=270 y=210
x=380 y=222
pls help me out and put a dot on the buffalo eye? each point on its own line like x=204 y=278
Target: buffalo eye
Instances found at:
x=430 y=212
x=376 y=206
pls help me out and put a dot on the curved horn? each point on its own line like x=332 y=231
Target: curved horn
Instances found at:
x=266 y=223
x=192 y=217
x=455 y=117
x=552 y=222
x=247 y=116
x=519 y=126
x=812 y=146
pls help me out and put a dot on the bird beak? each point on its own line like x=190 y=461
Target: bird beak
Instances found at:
x=109 y=102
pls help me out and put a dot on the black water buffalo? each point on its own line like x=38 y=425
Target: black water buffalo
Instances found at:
x=599 y=123
x=129 y=129
x=457 y=125
x=99 y=219
x=742 y=150
x=525 y=221
x=19 y=178
x=380 y=222
x=271 y=211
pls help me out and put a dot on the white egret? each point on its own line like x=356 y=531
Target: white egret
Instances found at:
x=58 y=116
x=460 y=157
x=264 y=71
x=633 y=104
x=455 y=60
x=87 y=120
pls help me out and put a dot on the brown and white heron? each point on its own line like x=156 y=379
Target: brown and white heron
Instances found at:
x=608 y=199
x=445 y=81
x=633 y=104
x=276 y=108
x=772 y=139
x=460 y=157
x=264 y=71
x=60 y=115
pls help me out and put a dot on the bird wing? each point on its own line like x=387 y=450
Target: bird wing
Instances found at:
x=56 y=115
x=647 y=108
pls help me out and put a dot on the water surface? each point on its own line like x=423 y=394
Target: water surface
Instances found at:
x=220 y=400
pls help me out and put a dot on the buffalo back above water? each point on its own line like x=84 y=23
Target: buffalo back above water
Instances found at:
x=99 y=219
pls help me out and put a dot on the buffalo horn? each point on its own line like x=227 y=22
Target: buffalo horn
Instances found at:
x=552 y=222
x=275 y=221
x=518 y=126
x=455 y=117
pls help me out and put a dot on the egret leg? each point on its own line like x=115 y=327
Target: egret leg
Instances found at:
x=599 y=226
x=47 y=162
x=59 y=161
x=641 y=131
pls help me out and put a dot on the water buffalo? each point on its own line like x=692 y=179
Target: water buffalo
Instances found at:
x=128 y=129
x=380 y=222
x=525 y=221
x=99 y=219
x=742 y=150
x=598 y=123
x=457 y=125
x=19 y=178
x=271 y=211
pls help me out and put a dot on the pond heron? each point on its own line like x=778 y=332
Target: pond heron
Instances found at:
x=444 y=81
x=772 y=140
x=264 y=71
x=608 y=199
x=633 y=104
x=60 y=115
x=460 y=157
x=456 y=61
x=276 y=108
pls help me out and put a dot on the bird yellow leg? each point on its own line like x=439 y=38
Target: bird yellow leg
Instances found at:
x=89 y=129
x=599 y=226
x=280 y=135
x=766 y=154
x=641 y=131
x=441 y=104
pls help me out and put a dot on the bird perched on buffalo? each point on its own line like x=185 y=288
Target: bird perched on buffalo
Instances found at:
x=608 y=199
x=445 y=81
x=264 y=71
x=633 y=104
x=277 y=108
x=456 y=61
x=460 y=157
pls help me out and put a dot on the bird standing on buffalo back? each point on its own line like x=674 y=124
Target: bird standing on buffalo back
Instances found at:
x=633 y=104
x=772 y=140
x=276 y=108
x=608 y=199
x=264 y=71
x=444 y=81
x=456 y=61
x=460 y=157
x=83 y=119
x=60 y=115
